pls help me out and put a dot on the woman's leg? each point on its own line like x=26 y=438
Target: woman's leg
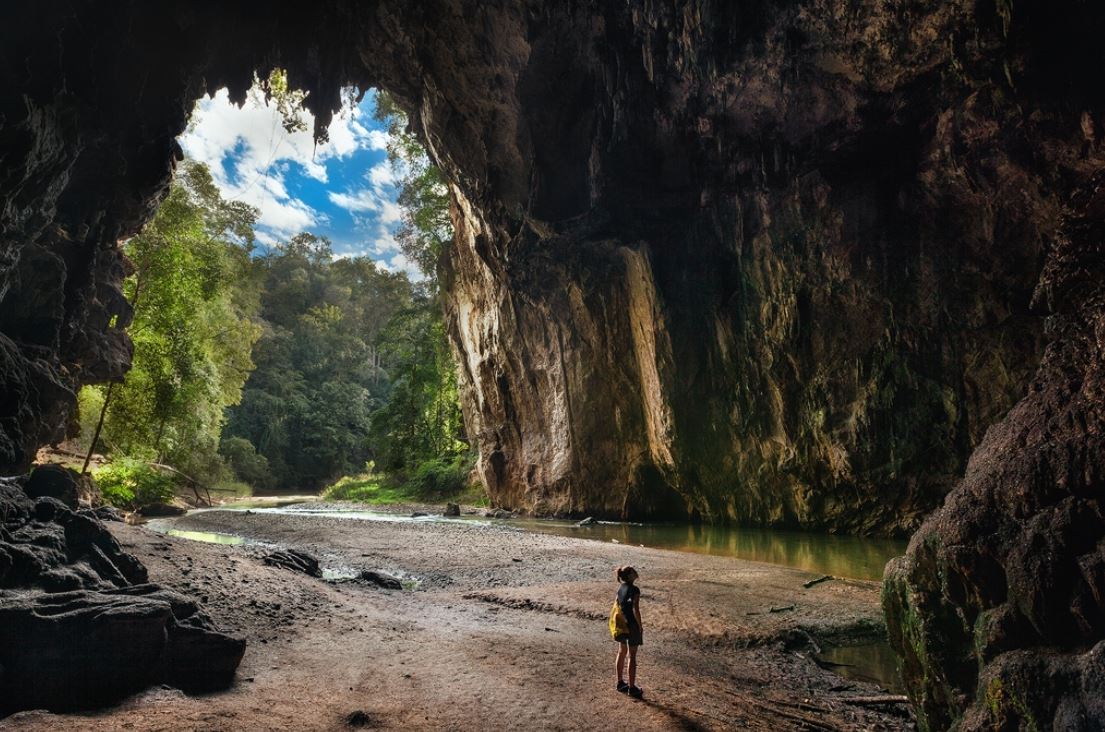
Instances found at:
x=632 y=665
x=620 y=663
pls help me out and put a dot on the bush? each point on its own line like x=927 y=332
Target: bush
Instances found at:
x=437 y=479
x=132 y=484
x=440 y=477
x=363 y=488
x=246 y=462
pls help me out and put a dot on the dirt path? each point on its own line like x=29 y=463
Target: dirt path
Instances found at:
x=503 y=630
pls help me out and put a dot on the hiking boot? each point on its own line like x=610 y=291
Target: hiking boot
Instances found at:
x=623 y=688
x=636 y=692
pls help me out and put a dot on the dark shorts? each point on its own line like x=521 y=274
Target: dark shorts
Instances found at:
x=633 y=637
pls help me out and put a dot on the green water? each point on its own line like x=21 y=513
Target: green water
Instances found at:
x=210 y=537
x=841 y=556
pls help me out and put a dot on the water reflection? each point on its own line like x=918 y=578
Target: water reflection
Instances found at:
x=210 y=537
x=841 y=556
x=874 y=662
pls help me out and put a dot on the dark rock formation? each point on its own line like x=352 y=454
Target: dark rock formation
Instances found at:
x=152 y=510
x=54 y=481
x=999 y=608
x=382 y=580
x=294 y=560
x=80 y=626
x=764 y=262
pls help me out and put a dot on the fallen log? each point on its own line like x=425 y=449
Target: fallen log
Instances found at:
x=782 y=609
x=817 y=581
x=885 y=699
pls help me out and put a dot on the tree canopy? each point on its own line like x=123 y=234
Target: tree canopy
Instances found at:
x=289 y=368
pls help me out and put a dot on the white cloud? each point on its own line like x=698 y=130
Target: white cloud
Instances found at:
x=401 y=263
x=378 y=197
x=385 y=242
x=390 y=213
x=364 y=200
x=249 y=154
x=382 y=174
x=378 y=139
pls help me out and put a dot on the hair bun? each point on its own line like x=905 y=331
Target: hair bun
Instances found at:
x=623 y=572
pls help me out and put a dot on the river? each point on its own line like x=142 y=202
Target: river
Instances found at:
x=848 y=557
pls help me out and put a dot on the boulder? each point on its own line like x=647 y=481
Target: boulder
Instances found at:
x=162 y=509
x=79 y=624
x=294 y=560
x=452 y=509
x=55 y=481
x=380 y=579
x=115 y=642
x=103 y=513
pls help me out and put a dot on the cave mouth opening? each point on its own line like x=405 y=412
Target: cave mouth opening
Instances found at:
x=285 y=316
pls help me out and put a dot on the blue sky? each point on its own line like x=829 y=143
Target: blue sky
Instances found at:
x=344 y=189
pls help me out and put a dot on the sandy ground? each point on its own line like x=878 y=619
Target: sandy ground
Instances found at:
x=498 y=629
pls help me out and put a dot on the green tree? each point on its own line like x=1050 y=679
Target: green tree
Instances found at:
x=193 y=330
x=307 y=408
x=421 y=424
x=426 y=228
x=422 y=418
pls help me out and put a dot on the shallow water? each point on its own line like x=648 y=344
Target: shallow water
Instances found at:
x=210 y=537
x=873 y=662
x=841 y=556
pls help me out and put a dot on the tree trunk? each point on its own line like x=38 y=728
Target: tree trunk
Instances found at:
x=99 y=426
x=157 y=440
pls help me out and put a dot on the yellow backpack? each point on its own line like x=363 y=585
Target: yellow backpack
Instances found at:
x=618 y=624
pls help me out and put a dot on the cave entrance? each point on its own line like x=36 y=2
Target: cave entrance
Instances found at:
x=286 y=321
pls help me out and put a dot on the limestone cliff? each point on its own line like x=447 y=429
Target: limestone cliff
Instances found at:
x=769 y=265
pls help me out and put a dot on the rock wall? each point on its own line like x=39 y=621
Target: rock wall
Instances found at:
x=769 y=265
x=998 y=609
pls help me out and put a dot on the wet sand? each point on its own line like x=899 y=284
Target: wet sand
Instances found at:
x=496 y=629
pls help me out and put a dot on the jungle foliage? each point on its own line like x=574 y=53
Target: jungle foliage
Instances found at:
x=287 y=369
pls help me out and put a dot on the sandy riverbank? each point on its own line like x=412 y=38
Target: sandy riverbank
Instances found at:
x=499 y=629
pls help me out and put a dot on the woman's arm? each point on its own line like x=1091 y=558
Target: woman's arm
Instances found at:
x=637 y=609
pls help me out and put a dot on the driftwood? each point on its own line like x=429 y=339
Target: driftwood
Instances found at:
x=782 y=609
x=876 y=700
x=194 y=484
x=817 y=581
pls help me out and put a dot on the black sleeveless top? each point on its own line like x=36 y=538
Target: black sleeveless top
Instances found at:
x=627 y=599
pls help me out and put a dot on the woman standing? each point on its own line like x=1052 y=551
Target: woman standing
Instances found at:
x=629 y=600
